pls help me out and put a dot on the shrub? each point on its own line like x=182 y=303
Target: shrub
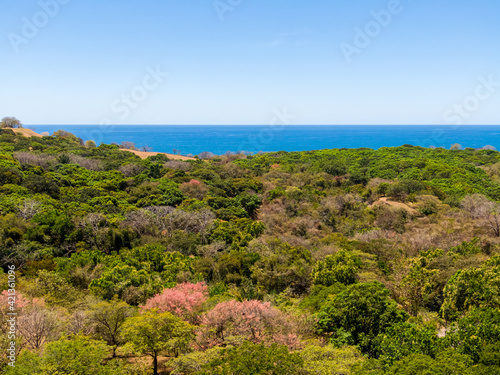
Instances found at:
x=357 y=315
x=338 y=268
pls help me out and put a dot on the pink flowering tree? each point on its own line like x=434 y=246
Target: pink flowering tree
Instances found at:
x=17 y=301
x=255 y=321
x=184 y=300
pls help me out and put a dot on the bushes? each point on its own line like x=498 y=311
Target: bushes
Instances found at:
x=254 y=359
x=42 y=185
x=282 y=266
x=469 y=288
x=339 y=268
x=357 y=315
x=76 y=355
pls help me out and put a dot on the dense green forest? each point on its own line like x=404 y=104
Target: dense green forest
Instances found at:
x=343 y=261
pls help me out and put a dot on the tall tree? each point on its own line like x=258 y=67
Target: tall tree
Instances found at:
x=10 y=122
x=153 y=334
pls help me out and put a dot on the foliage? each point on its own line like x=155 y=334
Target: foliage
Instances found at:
x=273 y=237
x=471 y=334
x=184 y=300
x=107 y=319
x=154 y=333
x=357 y=315
x=282 y=266
x=469 y=288
x=10 y=122
x=329 y=360
x=232 y=322
x=78 y=355
x=404 y=339
x=254 y=359
x=446 y=362
x=338 y=268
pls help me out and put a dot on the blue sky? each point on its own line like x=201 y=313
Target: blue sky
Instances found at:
x=239 y=61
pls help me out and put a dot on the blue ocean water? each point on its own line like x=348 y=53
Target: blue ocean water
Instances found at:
x=193 y=139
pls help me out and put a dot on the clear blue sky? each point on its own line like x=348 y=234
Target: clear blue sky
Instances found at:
x=239 y=65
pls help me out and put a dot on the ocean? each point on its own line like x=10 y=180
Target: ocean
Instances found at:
x=194 y=139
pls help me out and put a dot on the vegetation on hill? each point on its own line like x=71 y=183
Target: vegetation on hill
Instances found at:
x=346 y=261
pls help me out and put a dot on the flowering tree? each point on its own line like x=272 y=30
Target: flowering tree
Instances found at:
x=184 y=300
x=254 y=321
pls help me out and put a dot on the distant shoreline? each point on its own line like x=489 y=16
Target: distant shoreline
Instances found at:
x=142 y=154
x=219 y=140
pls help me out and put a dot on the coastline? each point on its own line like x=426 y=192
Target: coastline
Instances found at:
x=142 y=154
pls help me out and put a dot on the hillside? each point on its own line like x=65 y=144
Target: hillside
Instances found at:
x=27 y=132
x=342 y=261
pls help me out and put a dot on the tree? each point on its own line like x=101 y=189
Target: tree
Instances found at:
x=456 y=146
x=446 y=363
x=146 y=148
x=10 y=122
x=472 y=333
x=254 y=359
x=41 y=185
x=172 y=195
x=328 y=360
x=184 y=300
x=108 y=319
x=282 y=266
x=90 y=144
x=335 y=168
x=127 y=282
x=29 y=208
x=338 y=268
x=38 y=324
x=413 y=280
x=154 y=333
x=403 y=339
x=254 y=321
x=469 y=288
x=206 y=155
x=128 y=145
x=357 y=315
x=77 y=355
x=194 y=189
x=480 y=207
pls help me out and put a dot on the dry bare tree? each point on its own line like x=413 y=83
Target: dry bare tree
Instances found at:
x=38 y=325
x=29 y=208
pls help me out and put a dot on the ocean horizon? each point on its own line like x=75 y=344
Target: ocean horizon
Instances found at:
x=219 y=139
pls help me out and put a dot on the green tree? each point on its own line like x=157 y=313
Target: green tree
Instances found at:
x=78 y=355
x=283 y=266
x=127 y=282
x=471 y=334
x=357 y=315
x=254 y=359
x=154 y=334
x=469 y=288
x=415 y=280
x=108 y=319
x=403 y=339
x=172 y=195
x=448 y=362
x=328 y=360
x=338 y=268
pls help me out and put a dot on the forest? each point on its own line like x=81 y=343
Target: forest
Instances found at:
x=338 y=261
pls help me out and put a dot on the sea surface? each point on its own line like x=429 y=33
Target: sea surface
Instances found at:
x=193 y=139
